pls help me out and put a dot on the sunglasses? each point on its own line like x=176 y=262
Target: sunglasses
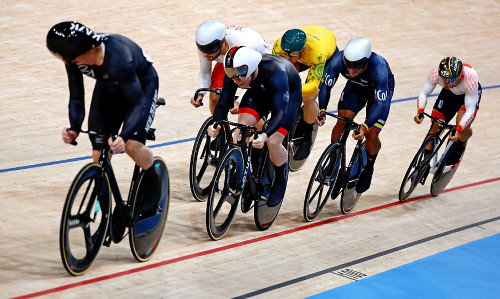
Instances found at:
x=449 y=80
x=293 y=53
x=239 y=72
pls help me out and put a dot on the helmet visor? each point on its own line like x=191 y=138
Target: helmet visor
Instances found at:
x=356 y=64
x=239 y=72
x=210 y=48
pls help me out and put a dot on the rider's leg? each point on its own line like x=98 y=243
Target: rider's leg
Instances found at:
x=310 y=113
x=279 y=158
x=458 y=147
x=214 y=99
x=151 y=181
x=372 y=146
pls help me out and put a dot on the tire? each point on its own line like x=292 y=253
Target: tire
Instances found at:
x=264 y=215
x=325 y=174
x=222 y=200
x=350 y=197
x=296 y=135
x=87 y=207
x=440 y=180
x=418 y=169
x=146 y=233
x=204 y=160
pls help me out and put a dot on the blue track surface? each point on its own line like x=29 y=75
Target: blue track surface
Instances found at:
x=468 y=271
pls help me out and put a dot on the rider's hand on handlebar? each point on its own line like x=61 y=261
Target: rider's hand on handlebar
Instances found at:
x=323 y=119
x=197 y=103
x=68 y=136
x=234 y=110
x=361 y=133
x=117 y=146
x=259 y=142
x=419 y=118
x=213 y=132
x=453 y=135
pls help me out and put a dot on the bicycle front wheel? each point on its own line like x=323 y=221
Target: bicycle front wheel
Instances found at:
x=85 y=219
x=322 y=181
x=225 y=194
x=418 y=169
x=146 y=233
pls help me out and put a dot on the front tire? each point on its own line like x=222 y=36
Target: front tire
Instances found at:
x=322 y=180
x=86 y=210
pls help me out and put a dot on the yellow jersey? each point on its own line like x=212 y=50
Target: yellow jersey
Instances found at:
x=320 y=46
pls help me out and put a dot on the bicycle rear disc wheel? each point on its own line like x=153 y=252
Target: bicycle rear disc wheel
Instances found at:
x=204 y=160
x=350 y=197
x=224 y=194
x=322 y=180
x=418 y=168
x=86 y=212
x=296 y=136
x=443 y=176
x=146 y=233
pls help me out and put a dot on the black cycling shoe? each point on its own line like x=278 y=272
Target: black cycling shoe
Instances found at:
x=365 y=179
x=305 y=148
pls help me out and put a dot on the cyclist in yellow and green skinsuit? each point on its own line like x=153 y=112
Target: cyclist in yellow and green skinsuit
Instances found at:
x=308 y=48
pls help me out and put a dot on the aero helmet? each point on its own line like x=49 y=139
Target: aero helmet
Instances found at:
x=293 y=42
x=210 y=36
x=450 y=68
x=68 y=40
x=241 y=62
x=357 y=53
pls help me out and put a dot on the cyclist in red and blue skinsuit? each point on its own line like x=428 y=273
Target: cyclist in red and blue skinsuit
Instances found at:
x=273 y=85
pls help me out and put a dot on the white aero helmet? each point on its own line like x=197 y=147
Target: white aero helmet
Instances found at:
x=241 y=62
x=210 y=36
x=357 y=53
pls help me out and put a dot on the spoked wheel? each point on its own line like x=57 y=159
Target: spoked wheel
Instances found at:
x=205 y=156
x=350 y=197
x=85 y=219
x=322 y=181
x=418 y=170
x=265 y=214
x=296 y=136
x=443 y=175
x=224 y=194
x=145 y=233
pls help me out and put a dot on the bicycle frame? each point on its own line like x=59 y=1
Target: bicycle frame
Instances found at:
x=440 y=138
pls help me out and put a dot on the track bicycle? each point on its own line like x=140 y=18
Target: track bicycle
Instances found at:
x=244 y=173
x=87 y=222
x=205 y=155
x=434 y=162
x=333 y=176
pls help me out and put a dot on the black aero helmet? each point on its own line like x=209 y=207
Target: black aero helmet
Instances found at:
x=450 y=68
x=68 y=40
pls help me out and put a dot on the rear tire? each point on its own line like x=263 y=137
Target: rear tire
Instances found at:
x=146 y=233
x=87 y=207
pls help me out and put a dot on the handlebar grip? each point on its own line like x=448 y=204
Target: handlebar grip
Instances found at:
x=74 y=142
x=196 y=96
x=321 y=116
x=421 y=115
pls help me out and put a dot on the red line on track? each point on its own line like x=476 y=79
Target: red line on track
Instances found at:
x=242 y=243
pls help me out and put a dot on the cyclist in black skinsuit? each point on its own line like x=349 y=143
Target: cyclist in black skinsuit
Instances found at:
x=273 y=85
x=125 y=93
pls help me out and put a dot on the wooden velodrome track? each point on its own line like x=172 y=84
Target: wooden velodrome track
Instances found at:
x=291 y=259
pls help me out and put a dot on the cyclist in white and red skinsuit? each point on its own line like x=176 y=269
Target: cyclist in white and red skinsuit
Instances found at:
x=214 y=40
x=461 y=93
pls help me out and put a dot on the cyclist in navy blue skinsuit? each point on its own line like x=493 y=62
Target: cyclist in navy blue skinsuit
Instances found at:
x=273 y=85
x=370 y=82
x=125 y=92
